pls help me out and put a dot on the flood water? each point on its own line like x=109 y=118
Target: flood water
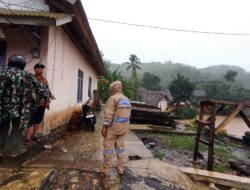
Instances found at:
x=236 y=127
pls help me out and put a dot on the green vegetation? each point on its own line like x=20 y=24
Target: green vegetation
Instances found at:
x=168 y=70
x=181 y=88
x=130 y=85
x=103 y=83
x=181 y=142
x=230 y=75
x=159 y=154
x=187 y=113
x=193 y=126
x=133 y=64
x=223 y=152
x=220 y=168
x=220 y=82
x=221 y=135
x=226 y=91
x=150 y=81
x=134 y=81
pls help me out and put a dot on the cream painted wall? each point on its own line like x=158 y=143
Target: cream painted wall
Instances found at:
x=21 y=41
x=64 y=60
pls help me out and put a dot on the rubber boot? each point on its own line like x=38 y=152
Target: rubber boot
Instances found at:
x=7 y=145
x=2 y=151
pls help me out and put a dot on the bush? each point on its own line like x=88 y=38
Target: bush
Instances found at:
x=193 y=126
x=187 y=113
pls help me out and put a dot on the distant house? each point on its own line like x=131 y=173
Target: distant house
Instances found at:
x=160 y=99
x=56 y=34
x=200 y=94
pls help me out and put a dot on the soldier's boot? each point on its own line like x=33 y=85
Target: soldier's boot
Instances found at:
x=7 y=145
x=2 y=141
x=17 y=147
x=4 y=127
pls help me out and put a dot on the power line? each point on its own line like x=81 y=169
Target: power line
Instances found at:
x=170 y=29
x=150 y=26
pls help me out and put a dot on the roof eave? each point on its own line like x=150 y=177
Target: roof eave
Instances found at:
x=85 y=38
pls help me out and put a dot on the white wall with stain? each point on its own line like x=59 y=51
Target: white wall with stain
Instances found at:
x=63 y=61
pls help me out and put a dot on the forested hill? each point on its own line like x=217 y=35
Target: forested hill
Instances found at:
x=168 y=71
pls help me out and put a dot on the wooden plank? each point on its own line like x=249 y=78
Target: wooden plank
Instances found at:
x=210 y=162
x=202 y=122
x=217 y=111
x=229 y=118
x=221 y=102
x=197 y=143
x=202 y=141
x=245 y=118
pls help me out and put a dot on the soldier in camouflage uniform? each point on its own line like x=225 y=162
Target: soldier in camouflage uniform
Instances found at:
x=19 y=97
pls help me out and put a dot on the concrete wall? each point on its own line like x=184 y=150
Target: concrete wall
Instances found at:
x=64 y=60
x=22 y=42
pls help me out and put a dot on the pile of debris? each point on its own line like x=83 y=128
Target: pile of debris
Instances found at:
x=147 y=114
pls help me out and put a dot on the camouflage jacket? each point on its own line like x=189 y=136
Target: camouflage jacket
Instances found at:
x=45 y=87
x=20 y=95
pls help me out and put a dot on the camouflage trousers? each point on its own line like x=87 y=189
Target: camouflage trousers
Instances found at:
x=10 y=138
x=114 y=144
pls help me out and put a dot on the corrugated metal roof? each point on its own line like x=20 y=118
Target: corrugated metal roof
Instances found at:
x=26 y=13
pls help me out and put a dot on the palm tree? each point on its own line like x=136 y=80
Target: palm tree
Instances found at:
x=133 y=64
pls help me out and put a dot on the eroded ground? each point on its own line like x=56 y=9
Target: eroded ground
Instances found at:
x=178 y=150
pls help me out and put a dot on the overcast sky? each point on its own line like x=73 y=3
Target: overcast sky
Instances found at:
x=117 y=42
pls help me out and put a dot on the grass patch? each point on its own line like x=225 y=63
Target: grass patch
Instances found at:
x=220 y=168
x=159 y=154
x=223 y=152
x=193 y=126
x=182 y=143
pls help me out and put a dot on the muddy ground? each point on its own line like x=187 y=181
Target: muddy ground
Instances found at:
x=178 y=150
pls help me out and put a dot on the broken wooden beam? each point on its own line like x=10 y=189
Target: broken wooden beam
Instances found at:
x=245 y=118
x=148 y=114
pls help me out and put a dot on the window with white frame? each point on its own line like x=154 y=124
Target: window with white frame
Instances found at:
x=80 y=86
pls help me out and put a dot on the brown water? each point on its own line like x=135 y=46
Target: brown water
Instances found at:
x=236 y=127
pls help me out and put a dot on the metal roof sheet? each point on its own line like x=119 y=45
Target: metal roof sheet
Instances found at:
x=27 y=13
